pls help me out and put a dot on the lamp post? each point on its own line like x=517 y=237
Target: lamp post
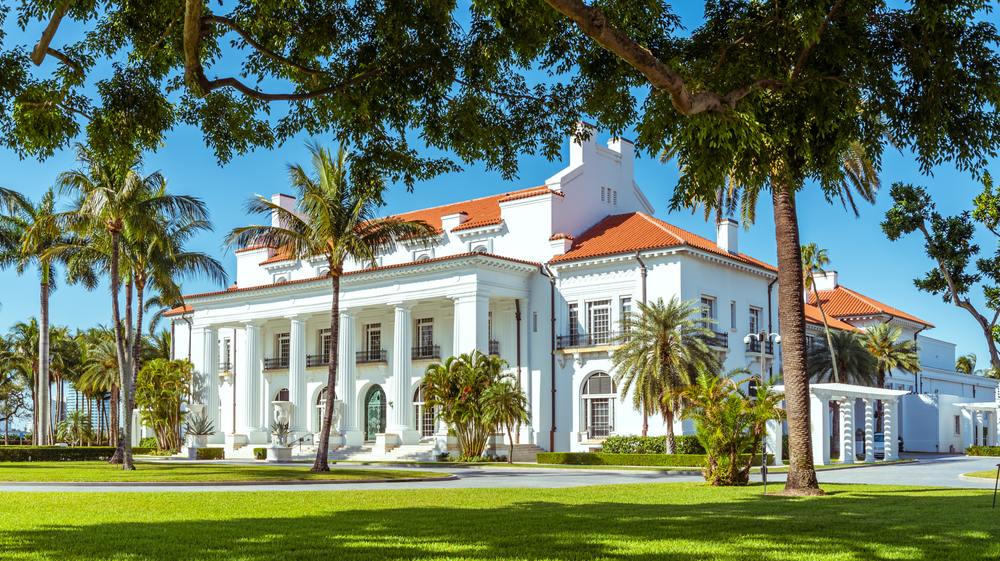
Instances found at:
x=762 y=338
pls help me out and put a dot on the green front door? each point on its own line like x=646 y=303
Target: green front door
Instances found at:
x=374 y=412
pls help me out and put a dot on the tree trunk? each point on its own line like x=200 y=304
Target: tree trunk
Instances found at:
x=671 y=445
x=645 y=419
x=880 y=382
x=801 y=478
x=43 y=362
x=137 y=343
x=123 y=453
x=835 y=429
x=323 y=447
x=826 y=329
x=35 y=409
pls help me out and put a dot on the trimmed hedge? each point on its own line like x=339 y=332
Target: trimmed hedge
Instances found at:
x=211 y=454
x=602 y=459
x=260 y=453
x=60 y=453
x=633 y=444
x=982 y=451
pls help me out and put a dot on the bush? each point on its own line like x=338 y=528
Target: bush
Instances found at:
x=632 y=444
x=471 y=459
x=260 y=453
x=211 y=454
x=60 y=453
x=148 y=442
x=602 y=459
x=982 y=451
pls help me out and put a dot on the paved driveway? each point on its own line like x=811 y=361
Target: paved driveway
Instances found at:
x=940 y=471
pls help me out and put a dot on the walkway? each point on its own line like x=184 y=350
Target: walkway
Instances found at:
x=929 y=470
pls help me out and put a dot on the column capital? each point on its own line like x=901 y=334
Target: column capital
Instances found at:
x=247 y=322
x=348 y=314
x=473 y=297
x=296 y=318
x=400 y=306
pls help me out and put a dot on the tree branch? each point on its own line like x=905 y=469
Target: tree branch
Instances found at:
x=494 y=92
x=805 y=52
x=256 y=94
x=49 y=104
x=722 y=57
x=65 y=60
x=593 y=24
x=152 y=47
x=42 y=48
x=260 y=48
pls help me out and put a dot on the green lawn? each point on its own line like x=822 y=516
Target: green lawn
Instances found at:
x=635 y=522
x=164 y=472
x=992 y=474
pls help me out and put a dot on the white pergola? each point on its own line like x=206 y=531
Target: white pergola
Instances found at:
x=845 y=395
x=980 y=415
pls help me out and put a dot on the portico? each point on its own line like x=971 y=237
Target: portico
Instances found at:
x=977 y=419
x=846 y=397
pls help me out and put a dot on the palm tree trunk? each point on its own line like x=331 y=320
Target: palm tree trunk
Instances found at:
x=880 y=382
x=123 y=453
x=35 y=410
x=323 y=448
x=43 y=360
x=137 y=344
x=671 y=444
x=645 y=419
x=829 y=340
x=801 y=477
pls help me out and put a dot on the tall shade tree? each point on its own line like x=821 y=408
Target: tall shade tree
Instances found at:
x=337 y=219
x=771 y=94
x=114 y=196
x=966 y=364
x=813 y=261
x=664 y=347
x=882 y=341
x=36 y=234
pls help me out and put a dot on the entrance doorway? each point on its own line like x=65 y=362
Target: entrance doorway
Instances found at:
x=374 y=412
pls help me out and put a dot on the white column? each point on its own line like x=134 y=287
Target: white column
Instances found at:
x=819 y=411
x=399 y=415
x=968 y=428
x=869 y=430
x=210 y=377
x=472 y=315
x=297 y=376
x=847 y=430
x=996 y=428
x=774 y=441
x=979 y=428
x=889 y=429
x=346 y=385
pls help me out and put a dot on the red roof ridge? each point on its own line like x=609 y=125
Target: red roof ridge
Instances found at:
x=872 y=303
x=561 y=236
x=470 y=224
x=661 y=225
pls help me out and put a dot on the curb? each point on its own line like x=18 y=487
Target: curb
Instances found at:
x=216 y=483
x=983 y=480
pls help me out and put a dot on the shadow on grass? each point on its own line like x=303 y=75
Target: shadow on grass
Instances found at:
x=632 y=521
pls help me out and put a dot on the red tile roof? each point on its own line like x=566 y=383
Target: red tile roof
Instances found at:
x=637 y=231
x=844 y=302
x=185 y=309
x=233 y=289
x=484 y=211
x=561 y=237
x=814 y=317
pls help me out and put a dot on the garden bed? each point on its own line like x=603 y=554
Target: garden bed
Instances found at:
x=601 y=459
x=176 y=472
x=62 y=453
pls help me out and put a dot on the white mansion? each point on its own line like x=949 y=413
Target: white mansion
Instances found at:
x=538 y=276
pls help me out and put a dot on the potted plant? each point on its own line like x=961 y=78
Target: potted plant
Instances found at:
x=279 y=433
x=198 y=428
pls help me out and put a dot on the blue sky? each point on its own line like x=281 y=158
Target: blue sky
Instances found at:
x=865 y=259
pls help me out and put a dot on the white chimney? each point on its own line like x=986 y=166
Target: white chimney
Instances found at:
x=728 y=231
x=451 y=221
x=826 y=281
x=286 y=202
x=581 y=150
x=626 y=149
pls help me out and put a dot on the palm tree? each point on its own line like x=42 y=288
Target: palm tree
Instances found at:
x=663 y=348
x=813 y=261
x=506 y=404
x=853 y=361
x=158 y=346
x=966 y=364
x=336 y=218
x=22 y=358
x=115 y=197
x=456 y=390
x=882 y=341
x=36 y=234
x=102 y=376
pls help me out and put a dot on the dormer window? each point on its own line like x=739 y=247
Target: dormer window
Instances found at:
x=480 y=249
x=423 y=257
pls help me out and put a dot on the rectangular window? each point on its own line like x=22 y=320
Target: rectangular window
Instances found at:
x=602 y=194
x=534 y=322
x=616 y=198
x=324 y=344
x=225 y=351
x=958 y=424
x=489 y=326
x=282 y=347
x=732 y=314
x=754 y=320
x=373 y=340
x=708 y=311
x=599 y=321
x=626 y=308
x=574 y=324
x=425 y=334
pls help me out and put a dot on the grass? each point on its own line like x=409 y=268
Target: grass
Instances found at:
x=991 y=474
x=177 y=472
x=644 y=522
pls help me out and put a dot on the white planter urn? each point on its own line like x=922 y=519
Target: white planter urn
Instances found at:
x=282 y=414
x=195 y=409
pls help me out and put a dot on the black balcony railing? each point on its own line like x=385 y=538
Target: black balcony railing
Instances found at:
x=495 y=348
x=754 y=347
x=586 y=340
x=276 y=363
x=225 y=367
x=317 y=360
x=719 y=340
x=427 y=351
x=371 y=356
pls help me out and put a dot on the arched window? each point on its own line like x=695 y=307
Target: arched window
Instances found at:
x=423 y=257
x=281 y=279
x=480 y=249
x=423 y=414
x=282 y=395
x=598 y=406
